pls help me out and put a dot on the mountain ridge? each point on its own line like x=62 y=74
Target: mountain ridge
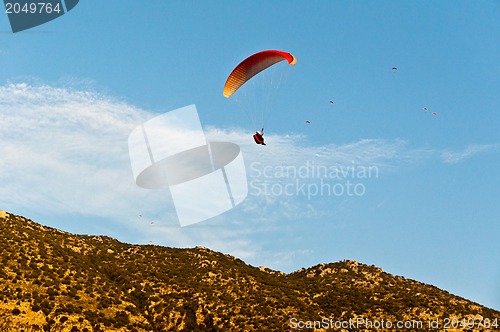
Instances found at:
x=52 y=280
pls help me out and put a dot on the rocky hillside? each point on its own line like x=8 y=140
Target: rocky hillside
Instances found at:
x=55 y=281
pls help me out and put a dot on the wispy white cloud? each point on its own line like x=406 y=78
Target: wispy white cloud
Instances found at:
x=65 y=151
x=287 y=179
x=457 y=156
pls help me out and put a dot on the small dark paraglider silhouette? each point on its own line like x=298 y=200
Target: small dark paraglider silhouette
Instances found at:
x=259 y=137
x=394 y=68
x=307 y=121
x=331 y=101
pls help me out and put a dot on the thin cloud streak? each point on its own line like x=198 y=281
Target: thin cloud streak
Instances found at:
x=454 y=157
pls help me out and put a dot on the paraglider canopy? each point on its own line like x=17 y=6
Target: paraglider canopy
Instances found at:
x=253 y=84
x=253 y=65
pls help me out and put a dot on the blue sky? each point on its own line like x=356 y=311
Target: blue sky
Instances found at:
x=72 y=90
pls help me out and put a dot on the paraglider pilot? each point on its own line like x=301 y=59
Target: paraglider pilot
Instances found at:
x=258 y=137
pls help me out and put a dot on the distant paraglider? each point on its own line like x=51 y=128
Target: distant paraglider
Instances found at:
x=308 y=122
x=425 y=109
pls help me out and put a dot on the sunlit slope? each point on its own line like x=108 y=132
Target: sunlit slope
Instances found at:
x=63 y=282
